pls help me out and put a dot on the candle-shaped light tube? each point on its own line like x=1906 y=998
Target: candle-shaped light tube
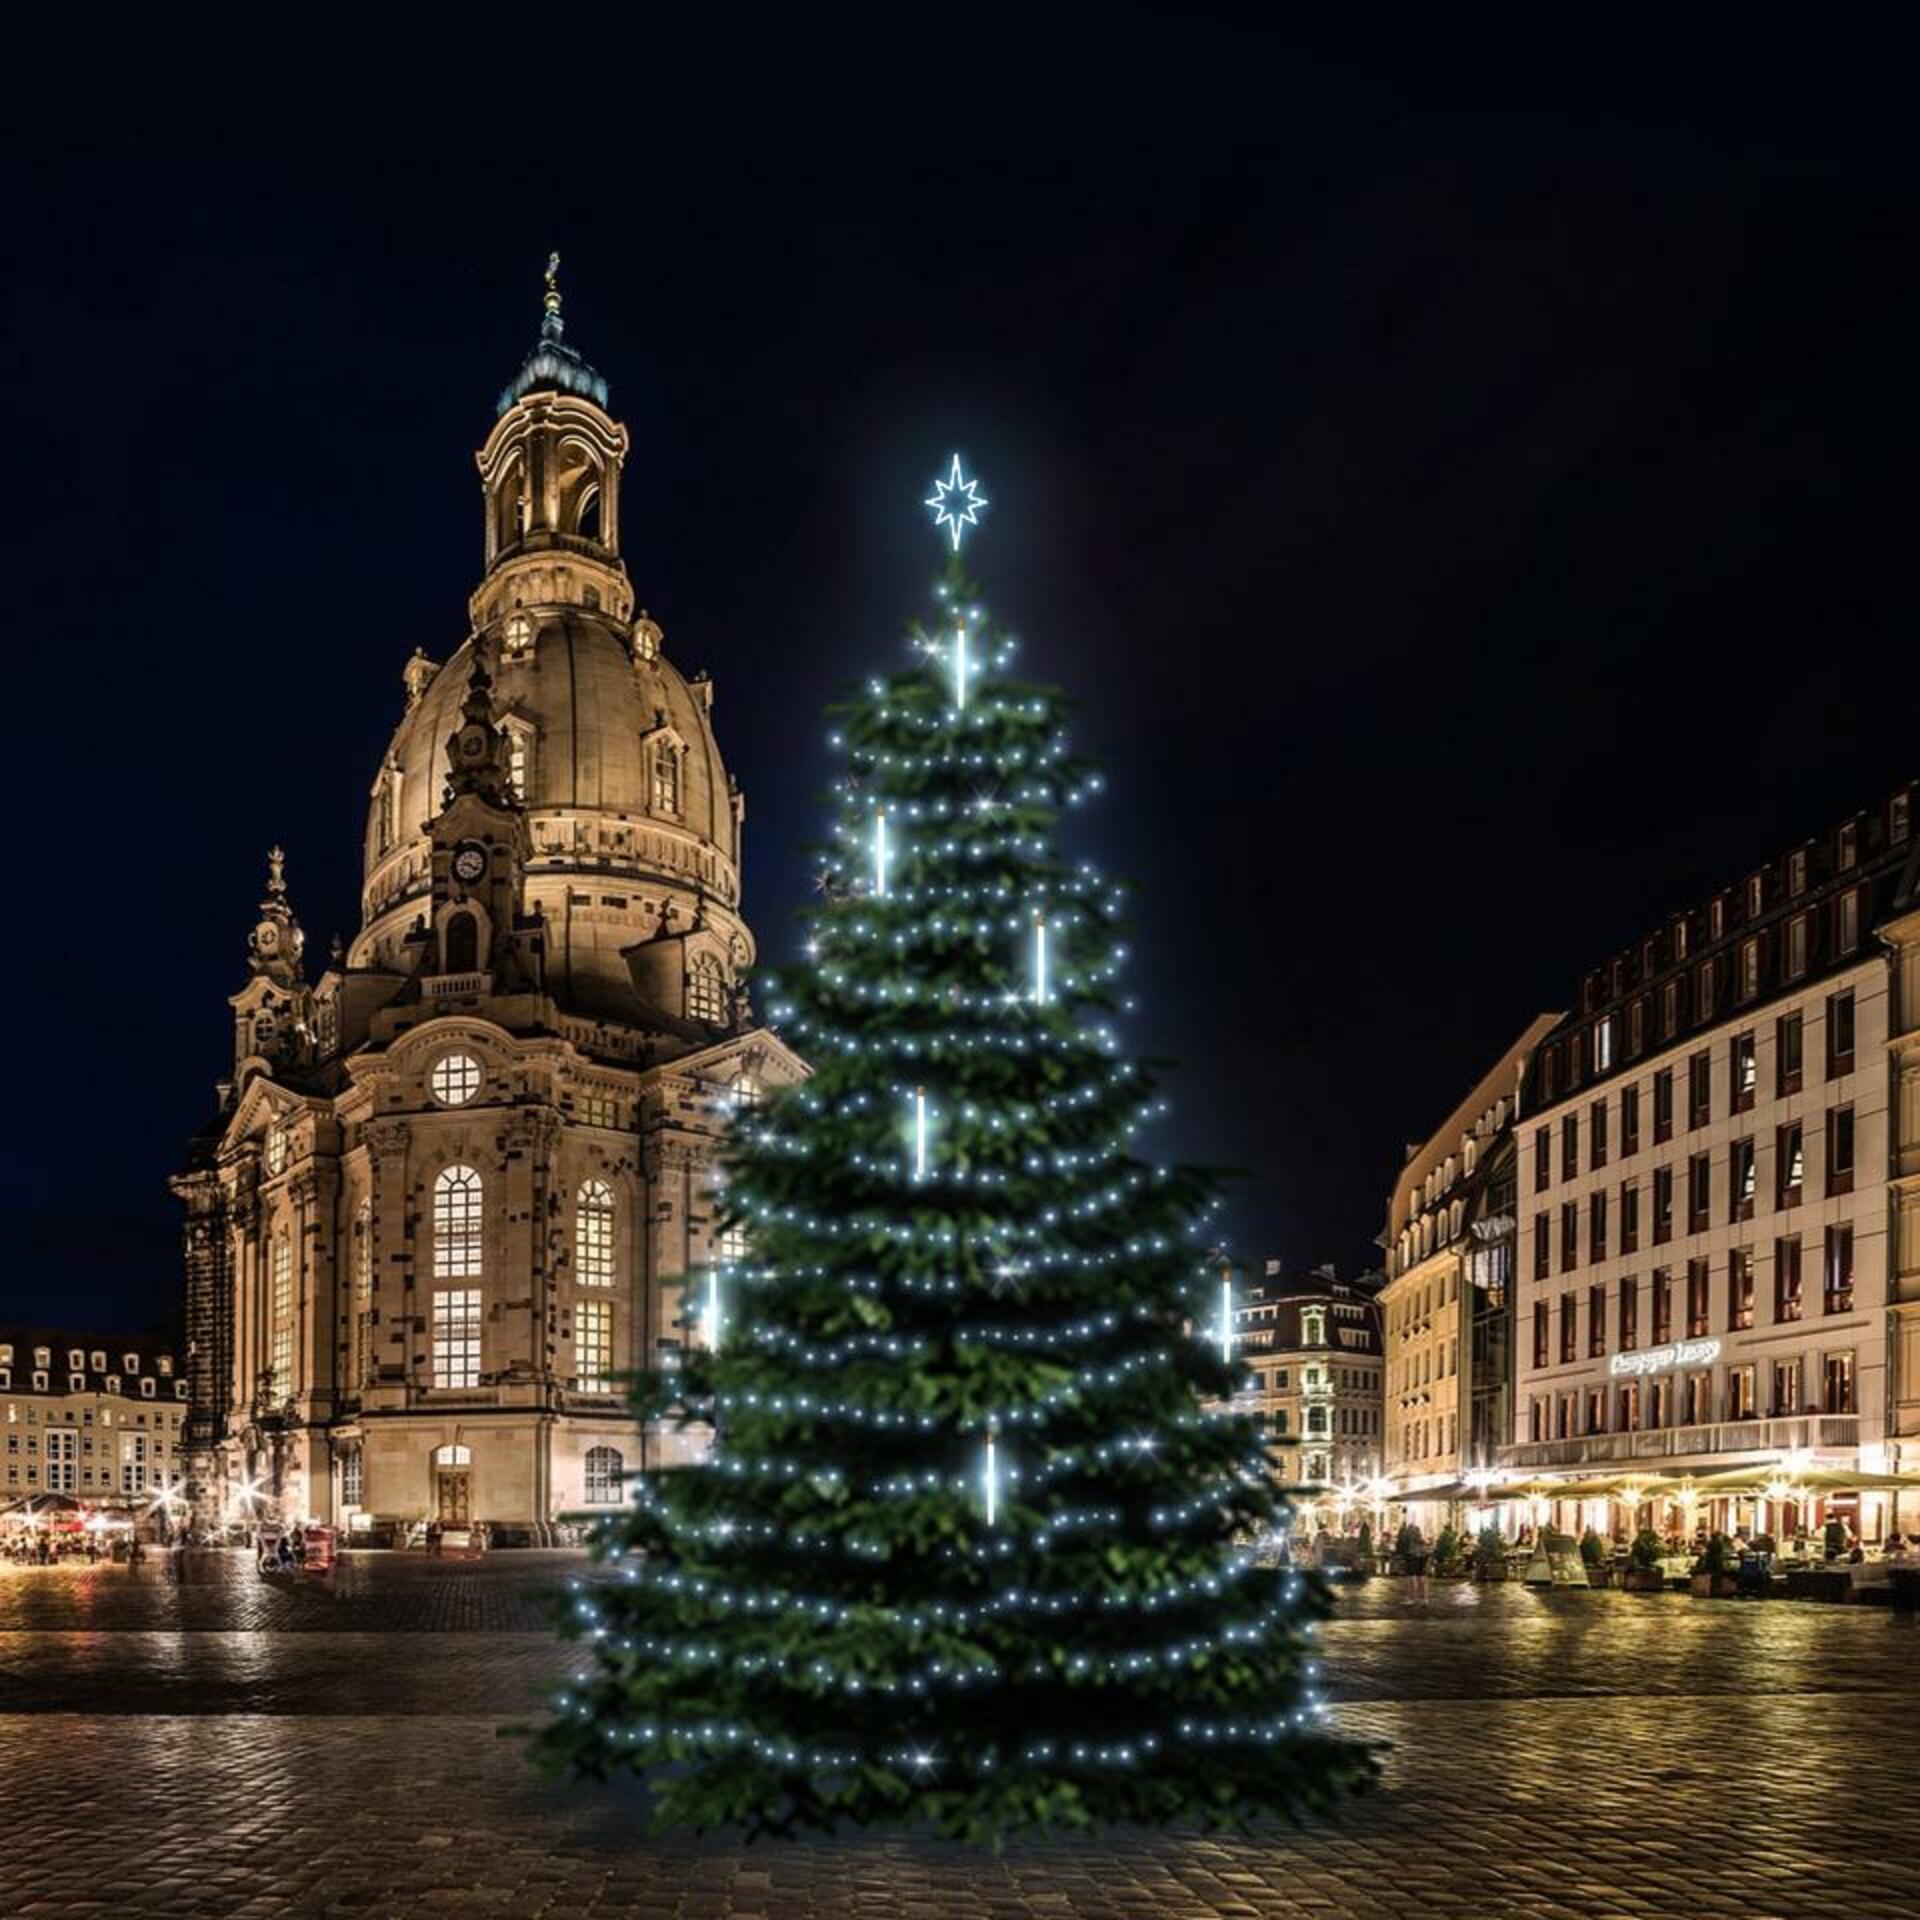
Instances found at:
x=1226 y=1316
x=992 y=1477
x=919 y=1133
x=713 y=1311
x=880 y=852
x=960 y=664
x=1041 y=991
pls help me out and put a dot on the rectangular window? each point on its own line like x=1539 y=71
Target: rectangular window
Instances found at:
x=1542 y=1245
x=1739 y=1289
x=1596 y=1409
x=456 y=1337
x=1596 y=1322
x=1542 y=1159
x=1846 y=922
x=1699 y=1193
x=1597 y=1225
x=1629 y=1122
x=1789 y=1165
x=1839 y=1149
x=133 y=1463
x=1786 y=1388
x=1749 y=981
x=1705 y=987
x=1699 y=1304
x=1741 y=1404
x=62 y=1453
x=1743 y=1174
x=1787 y=1303
x=1537 y=1419
x=1670 y=1009
x=1569 y=1146
x=1838 y=1288
x=1838 y=1393
x=1662 y=1205
x=592 y=1345
x=1629 y=1313
x=1569 y=1235
x=1746 y=1070
x=1699 y=1089
x=1597 y=1136
x=1629 y=1216
x=352 y=1479
x=1839 y=1034
x=1540 y=1340
x=280 y=1363
x=1569 y=1328
x=1796 y=946
x=1603 y=1044
x=1699 y=1404
x=1663 y=1105
x=1636 y=1029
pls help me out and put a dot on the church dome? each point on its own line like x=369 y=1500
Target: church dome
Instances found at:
x=633 y=826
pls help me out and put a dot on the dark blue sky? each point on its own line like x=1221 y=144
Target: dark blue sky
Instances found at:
x=1473 y=523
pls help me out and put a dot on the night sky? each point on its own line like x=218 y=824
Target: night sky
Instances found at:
x=1470 y=530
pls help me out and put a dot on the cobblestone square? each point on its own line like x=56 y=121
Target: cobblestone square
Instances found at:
x=231 y=1746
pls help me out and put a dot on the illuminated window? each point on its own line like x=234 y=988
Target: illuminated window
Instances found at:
x=519 y=760
x=593 y=1234
x=455 y=1079
x=592 y=1345
x=281 y=1364
x=733 y=1241
x=597 y=1110
x=62 y=1451
x=706 y=991
x=282 y=1277
x=352 y=1482
x=456 y=1225
x=746 y=1090
x=603 y=1476
x=517 y=636
x=666 y=777
x=384 y=808
x=276 y=1149
x=133 y=1463
x=456 y=1337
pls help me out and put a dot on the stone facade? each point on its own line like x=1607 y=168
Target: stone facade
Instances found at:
x=460 y=1184
x=1312 y=1347
x=1447 y=1308
x=1718 y=1250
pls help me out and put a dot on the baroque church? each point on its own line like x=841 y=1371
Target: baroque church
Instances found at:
x=464 y=1180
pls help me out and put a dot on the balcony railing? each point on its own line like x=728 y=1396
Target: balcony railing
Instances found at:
x=1675 y=1443
x=457 y=986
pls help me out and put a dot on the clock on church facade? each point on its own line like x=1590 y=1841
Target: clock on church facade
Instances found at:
x=454 y=1186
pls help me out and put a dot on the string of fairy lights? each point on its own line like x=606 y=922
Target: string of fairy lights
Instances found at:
x=1051 y=935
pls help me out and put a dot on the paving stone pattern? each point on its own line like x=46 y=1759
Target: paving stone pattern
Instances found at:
x=233 y=1747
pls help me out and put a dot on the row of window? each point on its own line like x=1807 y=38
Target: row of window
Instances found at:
x=456 y=1341
x=79 y=1360
x=1423 y=1437
x=1789 y=1187
x=1743 y=1078
x=1687 y=1399
x=40 y=1381
x=1412 y=1371
x=1738 y=1300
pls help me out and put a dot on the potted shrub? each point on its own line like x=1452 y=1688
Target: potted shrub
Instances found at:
x=1490 y=1554
x=1716 y=1572
x=1593 y=1556
x=1407 y=1546
x=1446 y=1552
x=1643 y=1571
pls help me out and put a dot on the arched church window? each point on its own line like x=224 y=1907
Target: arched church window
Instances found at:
x=276 y=1149
x=706 y=991
x=517 y=636
x=587 y=517
x=453 y=1455
x=462 y=943
x=604 y=1466
x=456 y=1224
x=519 y=760
x=383 y=812
x=746 y=1090
x=593 y=1224
x=666 y=777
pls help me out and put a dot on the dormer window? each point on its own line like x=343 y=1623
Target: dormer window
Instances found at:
x=706 y=991
x=43 y=1356
x=131 y=1362
x=76 y=1383
x=77 y=1359
x=1797 y=870
x=1756 y=896
x=1717 y=917
x=1679 y=939
x=1848 y=848
x=1899 y=817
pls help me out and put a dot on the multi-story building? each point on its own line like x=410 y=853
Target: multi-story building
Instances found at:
x=1447 y=1307
x=1312 y=1345
x=453 y=1187
x=98 y=1417
x=1719 y=1174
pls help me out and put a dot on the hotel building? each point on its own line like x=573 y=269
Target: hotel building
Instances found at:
x=1719 y=1180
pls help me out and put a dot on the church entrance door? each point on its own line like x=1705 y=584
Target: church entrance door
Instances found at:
x=456 y=1496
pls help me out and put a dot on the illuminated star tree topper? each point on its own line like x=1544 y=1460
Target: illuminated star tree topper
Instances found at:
x=956 y=502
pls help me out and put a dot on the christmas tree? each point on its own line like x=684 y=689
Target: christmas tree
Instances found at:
x=970 y=1545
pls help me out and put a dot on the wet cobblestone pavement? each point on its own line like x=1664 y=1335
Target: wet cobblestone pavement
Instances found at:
x=237 y=1747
